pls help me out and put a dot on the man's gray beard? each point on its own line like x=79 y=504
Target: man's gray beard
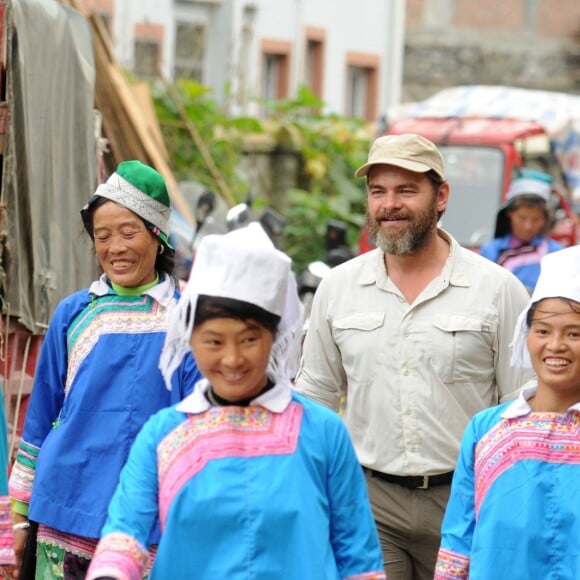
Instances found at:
x=414 y=238
x=399 y=246
x=408 y=243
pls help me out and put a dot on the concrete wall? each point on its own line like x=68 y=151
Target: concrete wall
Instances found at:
x=525 y=43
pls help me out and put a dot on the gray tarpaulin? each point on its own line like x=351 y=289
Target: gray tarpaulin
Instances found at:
x=49 y=164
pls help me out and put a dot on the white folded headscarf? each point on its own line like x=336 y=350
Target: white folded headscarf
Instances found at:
x=559 y=278
x=242 y=265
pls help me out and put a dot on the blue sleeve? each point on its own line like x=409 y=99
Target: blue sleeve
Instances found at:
x=48 y=391
x=490 y=251
x=353 y=532
x=459 y=521
x=133 y=512
x=554 y=246
x=133 y=509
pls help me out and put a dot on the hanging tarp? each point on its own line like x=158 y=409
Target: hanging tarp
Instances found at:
x=49 y=158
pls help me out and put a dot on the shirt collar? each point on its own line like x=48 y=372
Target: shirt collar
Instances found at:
x=454 y=266
x=521 y=407
x=162 y=292
x=275 y=399
x=454 y=269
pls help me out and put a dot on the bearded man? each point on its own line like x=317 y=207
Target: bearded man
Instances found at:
x=409 y=341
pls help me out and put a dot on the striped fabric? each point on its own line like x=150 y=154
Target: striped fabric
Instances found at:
x=6 y=533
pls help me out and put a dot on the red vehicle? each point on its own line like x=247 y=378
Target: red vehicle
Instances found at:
x=482 y=154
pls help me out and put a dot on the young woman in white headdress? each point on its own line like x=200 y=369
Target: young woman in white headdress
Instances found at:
x=249 y=479
x=514 y=510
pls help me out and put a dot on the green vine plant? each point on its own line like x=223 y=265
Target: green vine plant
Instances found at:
x=331 y=147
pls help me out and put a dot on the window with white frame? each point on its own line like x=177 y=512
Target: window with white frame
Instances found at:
x=272 y=71
x=190 y=50
x=147 y=57
x=362 y=86
x=314 y=59
x=357 y=85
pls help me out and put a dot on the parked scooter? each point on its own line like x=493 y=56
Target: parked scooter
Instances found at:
x=242 y=214
x=185 y=237
x=212 y=217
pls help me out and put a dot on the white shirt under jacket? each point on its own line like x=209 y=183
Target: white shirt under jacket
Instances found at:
x=408 y=377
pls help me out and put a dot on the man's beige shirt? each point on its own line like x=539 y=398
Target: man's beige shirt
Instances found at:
x=408 y=377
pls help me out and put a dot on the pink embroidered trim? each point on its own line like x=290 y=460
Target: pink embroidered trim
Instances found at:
x=222 y=432
x=548 y=437
x=78 y=545
x=376 y=575
x=451 y=565
x=120 y=556
x=23 y=472
x=6 y=533
x=517 y=260
x=116 y=320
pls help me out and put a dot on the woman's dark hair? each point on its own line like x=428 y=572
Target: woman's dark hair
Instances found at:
x=164 y=263
x=573 y=304
x=210 y=307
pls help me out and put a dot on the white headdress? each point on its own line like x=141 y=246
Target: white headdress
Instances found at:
x=528 y=186
x=559 y=278
x=242 y=265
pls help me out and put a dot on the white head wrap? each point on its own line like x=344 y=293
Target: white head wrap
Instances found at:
x=527 y=186
x=559 y=278
x=242 y=265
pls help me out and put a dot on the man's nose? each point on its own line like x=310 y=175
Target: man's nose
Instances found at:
x=391 y=200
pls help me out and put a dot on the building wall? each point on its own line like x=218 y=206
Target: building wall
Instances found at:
x=367 y=27
x=524 y=43
x=239 y=31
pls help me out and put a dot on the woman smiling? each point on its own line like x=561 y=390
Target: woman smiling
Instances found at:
x=249 y=479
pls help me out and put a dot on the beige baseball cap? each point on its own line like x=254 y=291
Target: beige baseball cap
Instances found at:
x=409 y=151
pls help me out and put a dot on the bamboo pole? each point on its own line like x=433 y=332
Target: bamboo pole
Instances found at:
x=224 y=190
x=121 y=113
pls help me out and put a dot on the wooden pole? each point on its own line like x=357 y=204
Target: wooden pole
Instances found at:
x=124 y=118
x=224 y=190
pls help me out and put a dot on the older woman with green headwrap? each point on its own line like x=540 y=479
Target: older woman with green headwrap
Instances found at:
x=97 y=380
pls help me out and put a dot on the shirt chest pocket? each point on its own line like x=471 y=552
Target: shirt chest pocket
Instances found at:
x=463 y=347
x=357 y=336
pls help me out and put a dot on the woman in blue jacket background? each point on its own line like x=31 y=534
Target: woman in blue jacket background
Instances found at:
x=520 y=235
